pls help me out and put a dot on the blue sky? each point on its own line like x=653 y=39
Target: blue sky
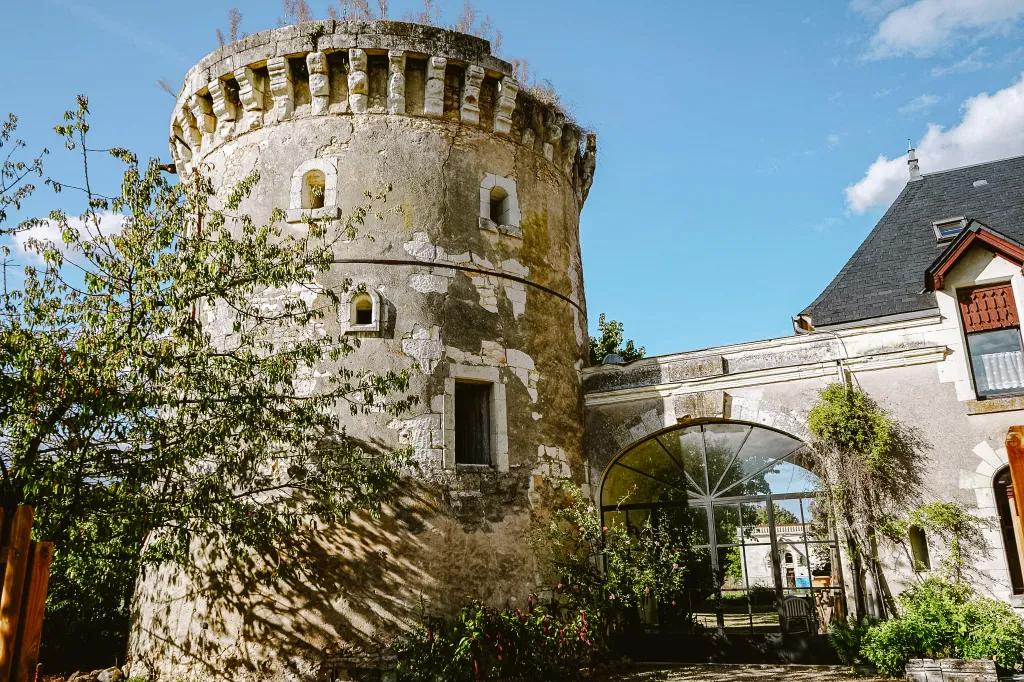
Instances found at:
x=741 y=142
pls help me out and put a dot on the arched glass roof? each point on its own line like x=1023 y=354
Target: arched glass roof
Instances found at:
x=698 y=462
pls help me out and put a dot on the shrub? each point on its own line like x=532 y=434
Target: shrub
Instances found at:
x=939 y=619
x=847 y=639
x=508 y=644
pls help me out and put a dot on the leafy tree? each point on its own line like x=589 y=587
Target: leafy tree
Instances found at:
x=871 y=468
x=166 y=379
x=610 y=341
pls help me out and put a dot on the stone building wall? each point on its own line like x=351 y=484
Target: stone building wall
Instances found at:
x=914 y=368
x=435 y=115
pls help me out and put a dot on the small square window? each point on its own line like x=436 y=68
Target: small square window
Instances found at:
x=472 y=423
x=949 y=228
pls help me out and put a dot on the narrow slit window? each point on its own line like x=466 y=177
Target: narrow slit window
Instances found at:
x=472 y=423
x=919 y=549
x=363 y=310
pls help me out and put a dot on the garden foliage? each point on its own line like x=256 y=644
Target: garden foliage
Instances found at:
x=940 y=619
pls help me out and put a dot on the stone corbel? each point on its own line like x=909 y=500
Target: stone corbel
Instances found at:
x=250 y=93
x=508 y=89
x=223 y=107
x=396 y=82
x=282 y=89
x=470 y=108
x=319 y=82
x=433 y=96
x=202 y=112
x=358 y=81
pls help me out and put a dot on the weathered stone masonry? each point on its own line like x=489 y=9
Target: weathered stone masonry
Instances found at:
x=352 y=106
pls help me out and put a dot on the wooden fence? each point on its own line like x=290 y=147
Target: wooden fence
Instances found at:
x=26 y=572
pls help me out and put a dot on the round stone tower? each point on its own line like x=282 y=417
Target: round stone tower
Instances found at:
x=478 y=281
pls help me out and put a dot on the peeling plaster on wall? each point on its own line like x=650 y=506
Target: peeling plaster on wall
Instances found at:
x=425 y=435
x=523 y=367
x=427 y=283
x=536 y=416
x=424 y=345
x=486 y=286
x=552 y=462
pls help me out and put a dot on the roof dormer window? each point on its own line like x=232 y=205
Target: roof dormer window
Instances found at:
x=948 y=228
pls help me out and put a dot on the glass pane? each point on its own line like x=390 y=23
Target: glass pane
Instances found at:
x=625 y=486
x=755 y=523
x=727 y=524
x=757 y=567
x=693 y=522
x=787 y=477
x=687 y=447
x=652 y=459
x=730 y=568
x=749 y=474
x=638 y=519
x=997 y=361
x=614 y=518
x=736 y=612
x=723 y=442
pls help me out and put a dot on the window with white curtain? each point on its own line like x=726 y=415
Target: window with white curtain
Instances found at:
x=992 y=328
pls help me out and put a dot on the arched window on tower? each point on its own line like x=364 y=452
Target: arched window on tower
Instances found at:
x=1010 y=525
x=313 y=186
x=361 y=310
x=314 y=191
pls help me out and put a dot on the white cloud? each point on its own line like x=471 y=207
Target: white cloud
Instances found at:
x=834 y=140
x=884 y=92
x=919 y=103
x=874 y=8
x=927 y=26
x=49 y=230
x=992 y=127
x=969 y=64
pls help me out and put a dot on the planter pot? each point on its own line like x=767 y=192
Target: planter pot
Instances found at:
x=949 y=669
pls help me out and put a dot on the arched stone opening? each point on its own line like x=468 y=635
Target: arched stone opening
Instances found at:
x=768 y=559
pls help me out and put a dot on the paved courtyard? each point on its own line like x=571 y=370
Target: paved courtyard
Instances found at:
x=744 y=673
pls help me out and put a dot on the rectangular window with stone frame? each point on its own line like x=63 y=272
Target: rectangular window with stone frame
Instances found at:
x=992 y=330
x=472 y=423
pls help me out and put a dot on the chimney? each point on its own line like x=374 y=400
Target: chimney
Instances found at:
x=915 y=169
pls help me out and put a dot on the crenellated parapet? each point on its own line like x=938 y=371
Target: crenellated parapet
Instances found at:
x=383 y=68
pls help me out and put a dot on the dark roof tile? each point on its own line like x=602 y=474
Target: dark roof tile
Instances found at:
x=885 y=276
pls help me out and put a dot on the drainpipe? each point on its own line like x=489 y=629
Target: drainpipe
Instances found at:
x=802 y=327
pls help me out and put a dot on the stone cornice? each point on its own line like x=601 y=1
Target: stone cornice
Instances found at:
x=813 y=370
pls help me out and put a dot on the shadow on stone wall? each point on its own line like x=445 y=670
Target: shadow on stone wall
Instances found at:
x=346 y=592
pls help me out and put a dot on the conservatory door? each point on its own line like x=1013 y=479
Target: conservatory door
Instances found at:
x=765 y=555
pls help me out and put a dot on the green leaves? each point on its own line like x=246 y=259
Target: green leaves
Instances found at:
x=166 y=378
x=610 y=341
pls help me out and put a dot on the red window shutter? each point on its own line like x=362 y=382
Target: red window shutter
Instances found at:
x=987 y=308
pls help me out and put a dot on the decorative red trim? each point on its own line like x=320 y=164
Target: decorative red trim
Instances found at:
x=935 y=277
x=987 y=308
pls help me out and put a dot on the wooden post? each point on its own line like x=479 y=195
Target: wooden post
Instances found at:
x=14 y=582
x=30 y=630
x=1015 y=453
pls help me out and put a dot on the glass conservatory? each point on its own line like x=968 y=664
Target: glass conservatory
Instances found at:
x=765 y=554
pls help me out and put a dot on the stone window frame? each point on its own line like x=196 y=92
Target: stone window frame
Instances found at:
x=347 y=310
x=498 y=421
x=330 y=208
x=510 y=225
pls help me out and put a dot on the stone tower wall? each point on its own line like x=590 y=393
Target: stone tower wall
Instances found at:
x=435 y=115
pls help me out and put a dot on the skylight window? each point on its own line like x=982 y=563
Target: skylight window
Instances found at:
x=948 y=228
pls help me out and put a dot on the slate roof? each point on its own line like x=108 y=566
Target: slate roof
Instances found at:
x=885 y=276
